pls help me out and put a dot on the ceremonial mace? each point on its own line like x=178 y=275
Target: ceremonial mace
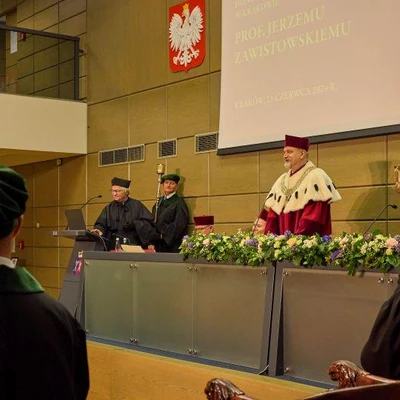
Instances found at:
x=160 y=173
x=397 y=178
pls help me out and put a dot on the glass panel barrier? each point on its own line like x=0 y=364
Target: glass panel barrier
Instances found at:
x=38 y=63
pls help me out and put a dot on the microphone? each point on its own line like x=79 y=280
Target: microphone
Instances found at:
x=99 y=196
x=383 y=209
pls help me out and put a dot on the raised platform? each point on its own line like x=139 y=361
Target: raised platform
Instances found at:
x=117 y=373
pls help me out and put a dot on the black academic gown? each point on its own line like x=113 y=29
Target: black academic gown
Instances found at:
x=381 y=354
x=42 y=347
x=172 y=222
x=130 y=220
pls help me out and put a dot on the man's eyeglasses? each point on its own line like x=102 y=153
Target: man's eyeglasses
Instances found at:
x=116 y=190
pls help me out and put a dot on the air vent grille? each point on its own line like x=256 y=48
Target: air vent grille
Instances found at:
x=136 y=153
x=122 y=155
x=206 y=142
x=106 y=157
x=167 y=148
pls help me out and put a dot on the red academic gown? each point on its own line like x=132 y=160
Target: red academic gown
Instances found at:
x=315 y=217
x=307 y=203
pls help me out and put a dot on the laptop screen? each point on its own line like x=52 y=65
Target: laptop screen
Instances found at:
x=75 y=219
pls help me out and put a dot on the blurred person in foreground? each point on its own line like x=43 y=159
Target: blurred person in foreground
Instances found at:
x=300 y=199
x=42 y=347
x=381 y=353
x=172 y=216
x=125 y=218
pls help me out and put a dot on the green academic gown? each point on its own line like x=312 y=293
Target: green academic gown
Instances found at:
x=42 y=347
x=172 y=222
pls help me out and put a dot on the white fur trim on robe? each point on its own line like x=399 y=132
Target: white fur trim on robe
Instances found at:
x=315 y=186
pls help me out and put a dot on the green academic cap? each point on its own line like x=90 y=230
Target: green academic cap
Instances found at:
x=13 y=197
x=170 y=177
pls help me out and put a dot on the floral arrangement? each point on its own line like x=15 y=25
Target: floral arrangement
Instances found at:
x=353 y=252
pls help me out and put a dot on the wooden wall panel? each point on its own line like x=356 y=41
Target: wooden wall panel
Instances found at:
x=360 y=203
x=73 y=181
x=193 y=169
x=188 y=107
x=25 y=67
x=46 y=18
x=355 y=162
x=39 y=5
x=233 y=174
x=110 y=54
x=24 y=10
x=46 y=216
x=73 y=26
x=149 y=45
x=215 y=34
x=108 y=125
x=228 y=209
x=215 y=94
x=69 y=8
x=148 y=116
x=144 y=177
x=46 y=184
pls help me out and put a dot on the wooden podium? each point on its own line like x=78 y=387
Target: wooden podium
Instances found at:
x=71 y=295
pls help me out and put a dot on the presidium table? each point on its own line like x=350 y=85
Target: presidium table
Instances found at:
x=275 y=319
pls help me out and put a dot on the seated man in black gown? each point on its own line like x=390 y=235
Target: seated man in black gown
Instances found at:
x=42 y=347
x=125 y=218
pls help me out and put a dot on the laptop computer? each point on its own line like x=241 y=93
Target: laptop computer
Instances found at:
x=75 y=219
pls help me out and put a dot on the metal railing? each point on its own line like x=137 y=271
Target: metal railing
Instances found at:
x=39 y=63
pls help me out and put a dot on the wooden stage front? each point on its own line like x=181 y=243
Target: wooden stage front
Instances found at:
x=122 y=374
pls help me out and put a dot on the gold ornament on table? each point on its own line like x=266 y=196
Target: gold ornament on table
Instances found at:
x=397 y=178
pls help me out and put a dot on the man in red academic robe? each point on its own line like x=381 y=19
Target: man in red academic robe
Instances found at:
x=299 y=201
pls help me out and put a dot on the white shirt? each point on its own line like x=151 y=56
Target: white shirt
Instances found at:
x=7 y=262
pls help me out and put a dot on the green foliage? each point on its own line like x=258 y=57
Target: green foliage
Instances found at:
x=353 y=252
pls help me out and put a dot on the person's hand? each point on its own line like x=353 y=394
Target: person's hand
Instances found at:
x=98 y=231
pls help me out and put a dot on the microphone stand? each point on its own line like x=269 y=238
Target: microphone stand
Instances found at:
x=160 y=173
x=99 y=196
x=373 y=222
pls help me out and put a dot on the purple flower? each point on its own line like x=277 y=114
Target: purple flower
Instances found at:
x=397 y=248
x=185 y=237
x=288 y=234
x=190 y=244
x=251 y=242
x=335 y=255
x=326 y=238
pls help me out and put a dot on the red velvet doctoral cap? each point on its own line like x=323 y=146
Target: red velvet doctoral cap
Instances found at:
x=204 y=220
x=295 y=141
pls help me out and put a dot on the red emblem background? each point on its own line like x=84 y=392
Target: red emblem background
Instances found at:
x=201 y=45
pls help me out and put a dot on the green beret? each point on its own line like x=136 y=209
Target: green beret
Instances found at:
x=13 y=195
x=170 y=177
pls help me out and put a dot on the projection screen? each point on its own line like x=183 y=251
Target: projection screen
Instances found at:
x=325 y=69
